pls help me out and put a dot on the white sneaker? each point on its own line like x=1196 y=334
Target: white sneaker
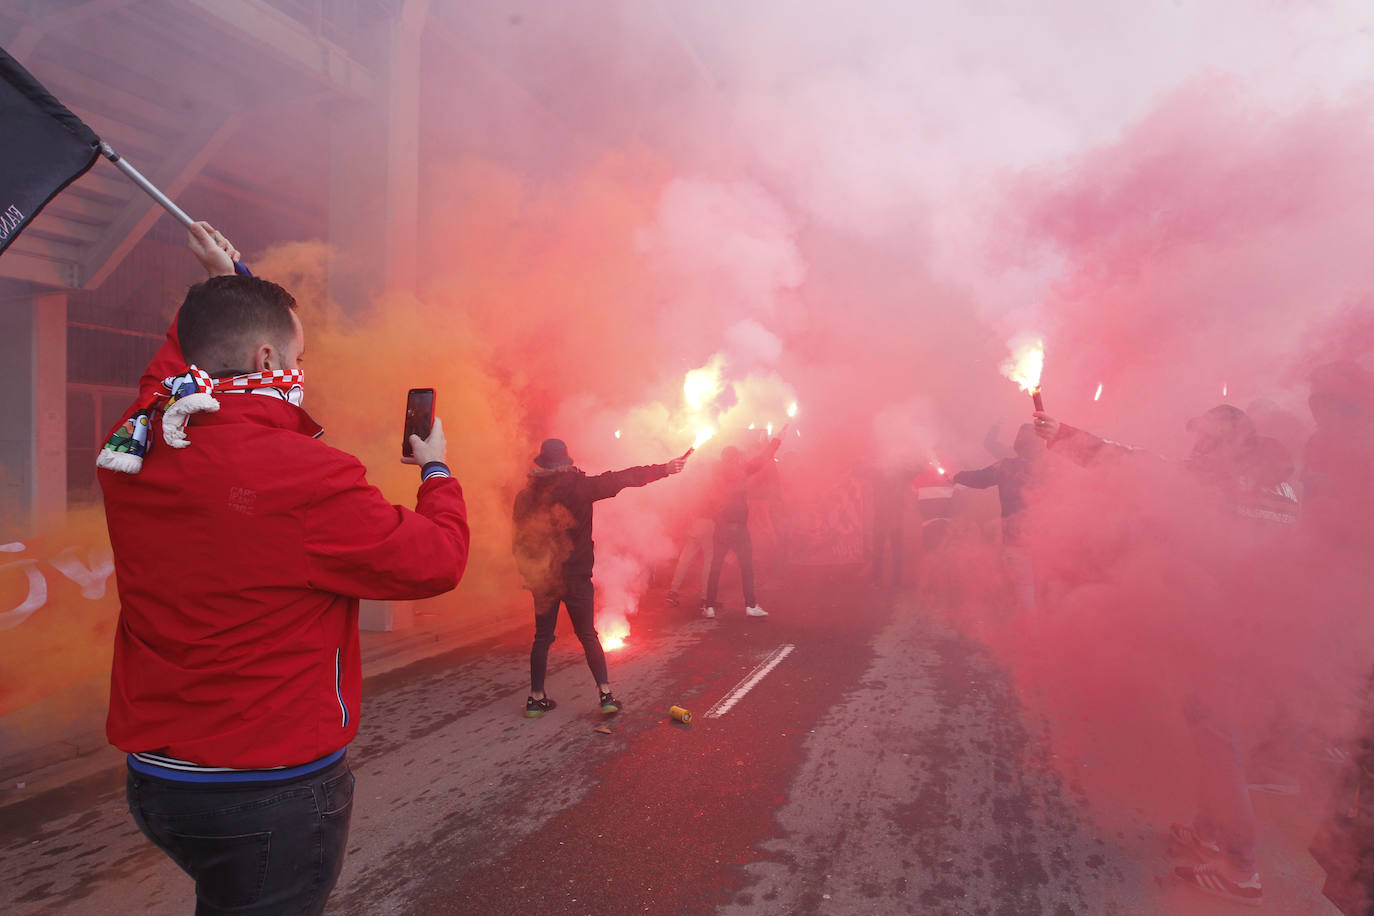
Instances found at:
x=755 y=611
x=708 y=612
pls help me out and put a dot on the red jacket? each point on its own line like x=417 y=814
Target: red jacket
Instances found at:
x=239 y=563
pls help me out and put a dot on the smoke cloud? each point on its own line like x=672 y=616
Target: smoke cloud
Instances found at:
x=856 y=210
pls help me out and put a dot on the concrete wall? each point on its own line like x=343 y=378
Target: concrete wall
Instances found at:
x=16 y=416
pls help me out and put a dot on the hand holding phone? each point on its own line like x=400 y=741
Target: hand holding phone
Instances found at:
x=420 y=404
x=426 y=450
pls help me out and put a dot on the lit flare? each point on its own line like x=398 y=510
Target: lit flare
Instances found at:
x=701 y=387
x=1024 y=366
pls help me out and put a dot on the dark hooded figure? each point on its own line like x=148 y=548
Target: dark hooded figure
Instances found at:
x=1011 y=476
x=554 y=553
x=1247 y=473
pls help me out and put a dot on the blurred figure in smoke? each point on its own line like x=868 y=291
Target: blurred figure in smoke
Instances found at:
x=889 y=489
x=1338 y=496
x=554 y=553
x=1338 y=456
x=767 y=513
x=701 y=532
x=730 y=497
x=1011 y=476
x=1246 y=472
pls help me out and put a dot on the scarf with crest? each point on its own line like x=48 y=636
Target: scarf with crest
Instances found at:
x=191 y=392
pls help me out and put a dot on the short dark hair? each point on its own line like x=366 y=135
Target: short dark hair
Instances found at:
x=223 y=318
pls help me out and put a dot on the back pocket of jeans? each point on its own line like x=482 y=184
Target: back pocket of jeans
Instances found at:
x=229 y=871
x=338 y=794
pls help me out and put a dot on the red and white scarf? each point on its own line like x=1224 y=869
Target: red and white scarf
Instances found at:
x=182 y=395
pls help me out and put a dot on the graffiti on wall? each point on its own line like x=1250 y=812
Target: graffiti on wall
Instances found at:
x=90 y=569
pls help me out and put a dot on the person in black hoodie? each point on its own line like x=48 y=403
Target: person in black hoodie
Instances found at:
x=1012 y=476
x=554 y=553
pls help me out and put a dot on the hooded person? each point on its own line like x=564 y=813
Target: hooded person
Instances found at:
x=1012 y=476
x=554 y=553
x=1246 y=473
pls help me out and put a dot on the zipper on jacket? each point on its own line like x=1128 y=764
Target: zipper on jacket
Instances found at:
x=338 y=684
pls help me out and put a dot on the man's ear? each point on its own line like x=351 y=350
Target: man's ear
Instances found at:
x=264 y=357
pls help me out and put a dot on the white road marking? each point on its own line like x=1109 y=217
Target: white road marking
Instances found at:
x=750 y=681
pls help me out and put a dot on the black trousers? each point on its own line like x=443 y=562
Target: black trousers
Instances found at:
x=732 y=539
x=578 y=596
x=251 y=847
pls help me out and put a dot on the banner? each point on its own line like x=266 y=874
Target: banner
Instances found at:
x=43 y=148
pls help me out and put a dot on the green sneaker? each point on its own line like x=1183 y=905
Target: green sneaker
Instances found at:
x=536 y=708
x=609 y=704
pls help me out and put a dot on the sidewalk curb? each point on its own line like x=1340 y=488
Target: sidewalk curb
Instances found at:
x=33 y=768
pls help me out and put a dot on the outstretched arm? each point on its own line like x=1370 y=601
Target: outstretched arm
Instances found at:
x=980 y=479
x=1080 y=445
x=604 y=486
x=760 y=461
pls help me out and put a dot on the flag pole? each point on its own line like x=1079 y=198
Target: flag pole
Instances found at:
x=151 y=189
x=161 y=199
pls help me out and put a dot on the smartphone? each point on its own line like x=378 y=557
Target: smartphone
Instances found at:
x=419 y=417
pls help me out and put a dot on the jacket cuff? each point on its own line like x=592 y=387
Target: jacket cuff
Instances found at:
x=434 y=469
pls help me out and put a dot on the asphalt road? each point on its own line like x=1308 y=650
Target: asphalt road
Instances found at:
x=881 y=765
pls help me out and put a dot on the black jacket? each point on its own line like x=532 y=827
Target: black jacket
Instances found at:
x=553 y=521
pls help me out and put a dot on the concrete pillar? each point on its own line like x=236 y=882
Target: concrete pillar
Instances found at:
x=48 y=487
x=16 y=407
x=403 y=147
x=374 y=182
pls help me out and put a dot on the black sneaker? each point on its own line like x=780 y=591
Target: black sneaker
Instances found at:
x=609 y=704
x=536 y=708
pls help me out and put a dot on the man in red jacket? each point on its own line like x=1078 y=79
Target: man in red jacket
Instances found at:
x=242 y=544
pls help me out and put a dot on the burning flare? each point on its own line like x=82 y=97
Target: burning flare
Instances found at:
x=702 y=386
x=703 y=436
x=1098 y=395
x=792 y=410
x=1026 y=363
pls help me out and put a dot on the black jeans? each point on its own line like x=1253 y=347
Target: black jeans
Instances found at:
x=251 y=847
x=578 y=595
x=732 y=539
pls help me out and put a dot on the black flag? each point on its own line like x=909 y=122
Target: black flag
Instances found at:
x=43 y=148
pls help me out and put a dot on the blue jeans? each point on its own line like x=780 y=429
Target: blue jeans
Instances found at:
x=251 y=847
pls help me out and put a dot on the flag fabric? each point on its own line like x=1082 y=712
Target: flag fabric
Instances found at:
x=43 y=148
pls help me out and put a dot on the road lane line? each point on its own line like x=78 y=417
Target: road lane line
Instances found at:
x=749 y=682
